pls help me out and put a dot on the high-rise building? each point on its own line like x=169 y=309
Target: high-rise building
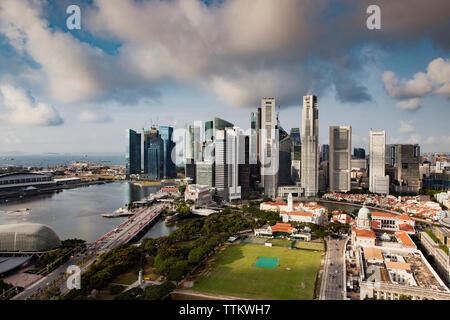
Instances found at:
x=296 y=155
x=407 y=168
x=216 y=124
x=285 y=162
x=359 y=153
x=254 y=147
x=192 y=150
x=245 y=171
x=205 y=174
x=133 y=154
x=221 y=167
x=378 y=181
x=269 y=155
x=340 y=156
x=310 y=146
x=254 y=138
x=153 y=154
x=324 y=153
x=235 y=155
x=169 y=166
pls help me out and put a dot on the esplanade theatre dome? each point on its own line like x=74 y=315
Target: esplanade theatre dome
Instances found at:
x=363 y=213
x=27 y=237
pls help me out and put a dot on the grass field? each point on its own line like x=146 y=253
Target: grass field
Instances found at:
x=231 y=272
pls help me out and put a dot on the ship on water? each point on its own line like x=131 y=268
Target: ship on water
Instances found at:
x=21 y=212
x=121 y=212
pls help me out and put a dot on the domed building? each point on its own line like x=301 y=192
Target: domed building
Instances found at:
x=363 y=219
x=27 y=237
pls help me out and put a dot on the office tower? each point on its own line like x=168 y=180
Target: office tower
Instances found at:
x=244 y=171
x=235 y=155
x=254 y=148
x=169 y=167
x=296 y=155
x=153 y=154
x=359 y=153
x=204 y=172
x=340 y=156
x=310 y=146
x=295 y=138
x=133 y=154
x=407 y=168
x=269 y=156
x=284 y=173
x=216 y=124
x=221 y=168
x=324 y=153
x=192 y=150
x=378 y=181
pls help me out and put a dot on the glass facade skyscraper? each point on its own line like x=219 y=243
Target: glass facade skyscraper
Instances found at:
x=133 y=154
x=169 y=167
x=153 y=154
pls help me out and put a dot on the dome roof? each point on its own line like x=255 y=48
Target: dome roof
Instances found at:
x=27 y=237
x=363 y=213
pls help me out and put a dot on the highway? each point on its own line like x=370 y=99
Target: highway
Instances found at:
x=332 y=287
x=123 y=233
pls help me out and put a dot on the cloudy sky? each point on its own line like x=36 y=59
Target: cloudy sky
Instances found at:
x=135 y=63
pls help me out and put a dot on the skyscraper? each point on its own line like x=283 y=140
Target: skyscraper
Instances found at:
x=340 y=156
x=378 y=181
x=192 y=150
x=235 y=155
x=296 y=155
x=133 y=154
x=153 y=154
x=407 y=168
x=221 y=168
x=359 y=153
x=310 y=146
x=324 y=153
x=169 y=167
x=269 y=155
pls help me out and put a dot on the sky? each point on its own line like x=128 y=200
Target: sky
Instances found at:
x=137 y=63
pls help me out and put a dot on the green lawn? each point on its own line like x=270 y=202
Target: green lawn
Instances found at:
x=231 y=272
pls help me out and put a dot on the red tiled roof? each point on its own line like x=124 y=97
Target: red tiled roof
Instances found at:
x=365 y=233
x=376 y=224
x=297 y=213
x=383 y=215
x=404 y=217
x=282 y=227
x=404 y=238
x=406 y=227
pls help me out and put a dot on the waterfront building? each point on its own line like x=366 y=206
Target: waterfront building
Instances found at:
x=133 y=154
x=310 y=146
x=23 y=180
x=27 y=237
x=340 y=156
x=407 y=169
x=269 y=155
x=153 y=154
x=200 y=195
x=378 y=181
x=169 y=167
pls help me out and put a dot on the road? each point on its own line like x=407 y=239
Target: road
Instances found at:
x=123 y=233
x=333 y=276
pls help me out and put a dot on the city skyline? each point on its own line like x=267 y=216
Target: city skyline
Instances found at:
x=71 y=100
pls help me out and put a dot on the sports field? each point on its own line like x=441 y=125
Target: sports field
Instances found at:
x=232 y=272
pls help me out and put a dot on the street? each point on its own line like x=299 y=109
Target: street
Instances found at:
x=333 y=276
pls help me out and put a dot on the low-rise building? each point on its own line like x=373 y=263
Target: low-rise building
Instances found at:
x=200 y=195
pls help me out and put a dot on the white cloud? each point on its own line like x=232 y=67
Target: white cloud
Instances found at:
x=405 y=89
x=436 y=80
x=410 y=104
x=92 y=116
x=22 y=109
x=414 y=138
x=405 y=127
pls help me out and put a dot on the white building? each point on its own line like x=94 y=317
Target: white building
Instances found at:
x=310 y=146
x=269 y=155
x=378 y=181
x=235 y=155
x=200 y=195
x=340 y=156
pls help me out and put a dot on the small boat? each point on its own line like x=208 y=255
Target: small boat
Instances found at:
x=24 y=211
x=121 y=212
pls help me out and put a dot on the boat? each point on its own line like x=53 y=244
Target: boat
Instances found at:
x=121 y=212
x=23 y=211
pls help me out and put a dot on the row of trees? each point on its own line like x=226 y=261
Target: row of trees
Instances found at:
x=57 y=257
